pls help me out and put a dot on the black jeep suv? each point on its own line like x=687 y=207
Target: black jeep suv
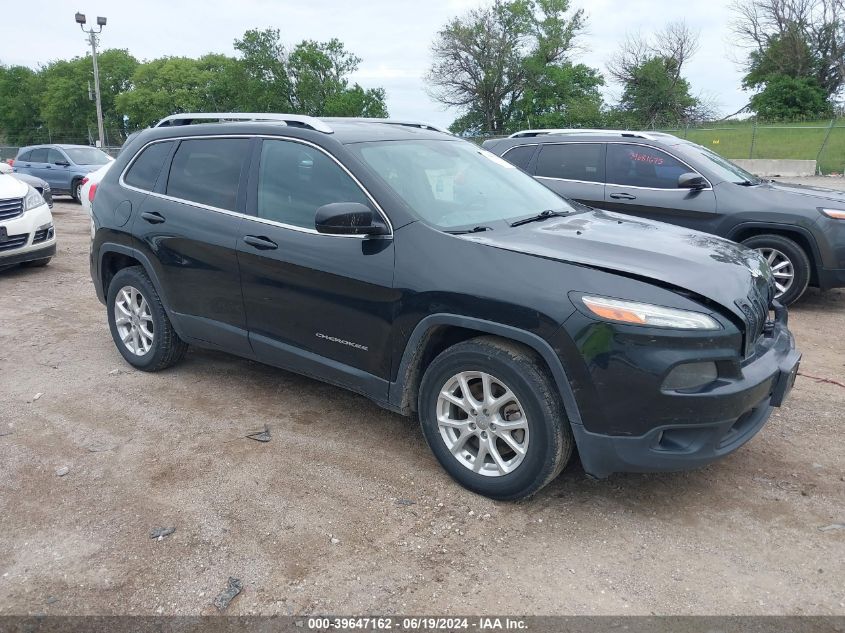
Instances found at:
x=435 y=278
x=800 y=230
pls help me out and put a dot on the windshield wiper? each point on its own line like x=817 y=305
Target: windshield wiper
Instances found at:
x=475 y=229
x=548 y=213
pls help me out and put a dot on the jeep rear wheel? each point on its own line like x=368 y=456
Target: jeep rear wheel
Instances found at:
x=139 y=324
x=789 y=263
x=493 y=418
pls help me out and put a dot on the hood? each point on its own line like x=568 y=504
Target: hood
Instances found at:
x=811 y=195
x=11 y=187
x=710 y=266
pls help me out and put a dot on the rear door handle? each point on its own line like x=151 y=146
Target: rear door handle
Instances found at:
x=622 y=196
x=261 y=243
x=153 y=217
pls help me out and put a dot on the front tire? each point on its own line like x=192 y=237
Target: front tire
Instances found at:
x=493 y=418
x=789 y=263
x=76 y=191
x=139 y=324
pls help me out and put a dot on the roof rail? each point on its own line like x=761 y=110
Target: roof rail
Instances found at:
x=294 y=120
x=628 y=133
x=422 y=125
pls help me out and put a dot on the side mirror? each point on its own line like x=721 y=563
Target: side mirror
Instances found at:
x=691 y=180
x=348 y=218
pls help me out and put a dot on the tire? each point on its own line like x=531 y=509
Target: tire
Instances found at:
x=785 y=257
x=76 y=190
x=157 y=344
x=544 y=436
x=37 y=263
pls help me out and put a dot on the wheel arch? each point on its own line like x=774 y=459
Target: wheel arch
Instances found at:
x=437 y=332
x=799 y=235
x=115 y=257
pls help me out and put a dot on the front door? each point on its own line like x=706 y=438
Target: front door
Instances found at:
x=315 y=303
x=643 y=181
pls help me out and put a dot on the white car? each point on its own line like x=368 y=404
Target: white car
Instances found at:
x=27 y=235
x=89 y=187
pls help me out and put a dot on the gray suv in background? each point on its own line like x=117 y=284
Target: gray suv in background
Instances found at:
x=799 y=229
x=62 y=166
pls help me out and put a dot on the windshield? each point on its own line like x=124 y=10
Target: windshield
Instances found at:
x=724 y=168
x=455 y=183
x=87 y=156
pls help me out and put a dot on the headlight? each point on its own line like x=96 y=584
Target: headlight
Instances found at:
x=648 y=315
x=836 y=214
x=33 y=199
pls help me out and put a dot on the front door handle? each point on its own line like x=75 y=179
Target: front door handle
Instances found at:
x=153 y=217
x=261 y=243
x=622 y=196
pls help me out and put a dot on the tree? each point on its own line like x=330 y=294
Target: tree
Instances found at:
x=505 y=61
x=267 y=85
x=798 y=43
x=788 y=98
x=19 y=112
x=650 y=71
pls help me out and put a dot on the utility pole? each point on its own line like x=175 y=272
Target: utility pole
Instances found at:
x=92 y=39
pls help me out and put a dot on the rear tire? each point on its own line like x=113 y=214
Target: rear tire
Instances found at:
x=139 y=324
x=789 y=263
x=514 y=410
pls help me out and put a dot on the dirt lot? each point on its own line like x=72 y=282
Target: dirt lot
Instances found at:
x=346 y=511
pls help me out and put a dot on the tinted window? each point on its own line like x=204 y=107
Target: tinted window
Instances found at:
x=87 y=155
x=207 y=171
x=25 y=157
x=146 y=168
x=642 y=166
x=38 y=155
x=295 y=179
x=55 y=156
x=572 y=161
x=520 y=156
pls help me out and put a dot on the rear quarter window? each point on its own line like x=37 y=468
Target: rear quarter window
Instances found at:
x=520 y=155
x=144 y=171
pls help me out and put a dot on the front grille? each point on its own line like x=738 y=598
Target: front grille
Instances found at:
x=11 y=208
x=755 y=309
x=42 y=235
x=13 y=241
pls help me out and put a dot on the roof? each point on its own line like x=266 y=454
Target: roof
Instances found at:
x=602 y=133
x=345 y=129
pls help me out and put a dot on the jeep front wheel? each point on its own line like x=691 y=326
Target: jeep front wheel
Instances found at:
x=789 y=263
x=493 y=418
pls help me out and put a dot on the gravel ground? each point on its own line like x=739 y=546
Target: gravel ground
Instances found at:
x=346 y=511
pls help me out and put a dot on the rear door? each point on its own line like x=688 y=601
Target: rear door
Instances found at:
x=643 y=181
x=189 y=226
x=37 y=163
x=574 y=170
x=314 y=302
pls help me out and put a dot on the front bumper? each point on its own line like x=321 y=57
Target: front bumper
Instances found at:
x=706 y=425
x=29 y=237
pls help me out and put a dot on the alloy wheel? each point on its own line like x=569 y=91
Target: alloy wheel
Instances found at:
x=482 y=423
x=782 y=269
x=134 y=320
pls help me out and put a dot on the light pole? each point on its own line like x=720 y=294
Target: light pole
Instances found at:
x=92 y=39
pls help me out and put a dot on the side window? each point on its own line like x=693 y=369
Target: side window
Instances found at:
x=144 y=172
x=572 y=161
x=295 y=179
x=38 y=155
x=520 y=155
x=55 y=156
x=207 y=171
x=25 y=157
x=641 y=166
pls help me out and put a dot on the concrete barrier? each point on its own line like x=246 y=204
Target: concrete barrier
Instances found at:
x=770 y=167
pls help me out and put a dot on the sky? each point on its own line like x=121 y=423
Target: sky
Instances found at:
x=393 y=37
